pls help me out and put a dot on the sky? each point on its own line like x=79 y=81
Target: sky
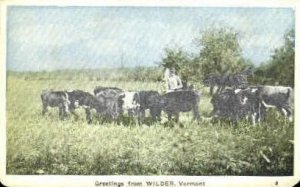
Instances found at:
x=52 y=38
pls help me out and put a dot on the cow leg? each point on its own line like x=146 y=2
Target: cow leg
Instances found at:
x=101 y=116
x=235 y=119
x=196 y=113
x=290 y=114
x=141 y=115
x=140 y=119
x=287 y=112
x=65 y=108
x=45 y=109
x=222 y=88
x=75 y=115
x=88 y=115
x=131 y=115
x=176 y=117
x=253 y=118
x=169 y=116
x=158 y=115
x=211 y=90
x=218 y=89
x=262 y=113
x=60 y=112
x=155 y=114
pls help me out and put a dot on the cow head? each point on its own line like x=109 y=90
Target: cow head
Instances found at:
x=224 y=103
x=220 y=102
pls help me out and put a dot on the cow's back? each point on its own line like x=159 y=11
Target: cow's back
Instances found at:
x=277 y=95
x=182 y=101
x=54 y=98
x=148 y=99
x=107 y=91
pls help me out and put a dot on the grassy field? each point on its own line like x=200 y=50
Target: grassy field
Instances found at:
x=39 y=144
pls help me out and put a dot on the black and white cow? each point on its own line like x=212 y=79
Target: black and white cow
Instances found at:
x=250 y=104
x=131 y=103
x=135 y=103
x=279 y=97
x=180 y=101
x=237 y=104
x=58 y=99
x=79 y=98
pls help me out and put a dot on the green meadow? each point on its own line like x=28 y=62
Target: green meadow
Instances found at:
x=39 y=144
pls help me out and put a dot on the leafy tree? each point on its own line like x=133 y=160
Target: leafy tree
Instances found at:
x=173 y=58
x=279 y=70
x=220 y=52
x=177 y=58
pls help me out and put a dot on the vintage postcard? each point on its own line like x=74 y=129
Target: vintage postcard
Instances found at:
x=139 y=93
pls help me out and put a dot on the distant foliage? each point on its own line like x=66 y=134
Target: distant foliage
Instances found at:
x=220 y=53
x=279 y=70
x=112 y=74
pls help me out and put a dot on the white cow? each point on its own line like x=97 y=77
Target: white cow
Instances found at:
x=279 y=97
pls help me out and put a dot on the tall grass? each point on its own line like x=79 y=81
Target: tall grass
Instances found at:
x=103 y=74
x=39 y=144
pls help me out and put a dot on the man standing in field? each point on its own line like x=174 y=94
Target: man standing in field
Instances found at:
x=173 y=82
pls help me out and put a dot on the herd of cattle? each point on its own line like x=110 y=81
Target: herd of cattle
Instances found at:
x=111 y=103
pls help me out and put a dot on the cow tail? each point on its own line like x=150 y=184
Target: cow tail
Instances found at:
x=288 y=93
x=290 y=97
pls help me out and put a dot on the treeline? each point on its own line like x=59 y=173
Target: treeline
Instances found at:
x=219 y=52
x=280 y=69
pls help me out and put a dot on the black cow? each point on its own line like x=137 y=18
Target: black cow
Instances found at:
x=113 y=101
x=149 y=100
x=133 y=102
x=237 y=104
x=180 y=101
x=107 y=91
x=79 y=98
x=58 y=99
x=113 y=104
x=238 y=80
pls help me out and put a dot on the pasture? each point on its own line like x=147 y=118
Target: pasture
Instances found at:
x=39 y=144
